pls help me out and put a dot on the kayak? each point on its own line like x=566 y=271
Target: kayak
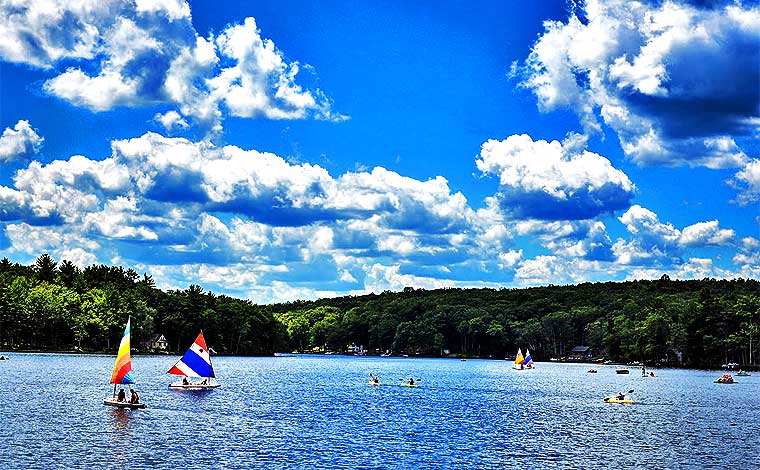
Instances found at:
x=743 y=374
x=625 y=401
x=407 y=384
x=374 y=383
x=123 y=404
x=726 y=382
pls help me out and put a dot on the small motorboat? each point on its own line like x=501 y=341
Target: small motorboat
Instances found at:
x=742 y=373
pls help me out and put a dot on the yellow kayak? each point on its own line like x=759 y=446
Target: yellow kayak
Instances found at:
x=371 y=382
x=625 y=401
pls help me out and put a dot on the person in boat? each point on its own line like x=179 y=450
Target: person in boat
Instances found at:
x=651 y=374
x=134 y=397
x=374 y=379
x=122 y=396
x=185 y=381
x=522 y=366
x=643 y=371
x=204 y=382
x=619 y=396
x=411 y=381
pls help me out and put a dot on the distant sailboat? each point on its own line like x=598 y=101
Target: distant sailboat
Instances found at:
x=195 y=363
x=523 y=362
x=122 y=374
x=528 y=360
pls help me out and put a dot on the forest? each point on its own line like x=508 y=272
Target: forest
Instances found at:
x=691 y=323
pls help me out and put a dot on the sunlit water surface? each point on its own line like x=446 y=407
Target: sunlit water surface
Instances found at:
x=319 y=412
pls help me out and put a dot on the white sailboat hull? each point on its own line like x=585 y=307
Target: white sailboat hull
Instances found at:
x=123 y=404
x=181 y=386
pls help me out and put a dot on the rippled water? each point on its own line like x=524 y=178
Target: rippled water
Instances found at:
x=319 y=412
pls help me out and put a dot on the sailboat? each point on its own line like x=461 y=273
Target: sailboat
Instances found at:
x=195 y=363
x=122 y=374
x=523 y=362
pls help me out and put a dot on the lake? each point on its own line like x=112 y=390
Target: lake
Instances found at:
x=319 y=412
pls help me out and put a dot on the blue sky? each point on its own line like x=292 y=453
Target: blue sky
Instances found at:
x=277 y=150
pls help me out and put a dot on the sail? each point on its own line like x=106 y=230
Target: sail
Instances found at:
x=122 y=370
x=519 y=359
x=528 y=360
x=196 y=362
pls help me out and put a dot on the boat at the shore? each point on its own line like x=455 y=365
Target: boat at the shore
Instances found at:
x=196 y=363
x=123 y=375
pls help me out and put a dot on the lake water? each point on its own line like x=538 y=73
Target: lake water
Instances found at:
x=319 y=412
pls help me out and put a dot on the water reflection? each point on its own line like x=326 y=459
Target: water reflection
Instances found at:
x=120 y=420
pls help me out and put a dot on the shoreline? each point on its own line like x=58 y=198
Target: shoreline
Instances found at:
x=749 y=368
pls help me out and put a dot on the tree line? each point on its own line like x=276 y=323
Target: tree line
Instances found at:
x=51 y=306
x=695 y=323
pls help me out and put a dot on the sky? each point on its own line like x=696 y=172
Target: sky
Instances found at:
x=282 y=150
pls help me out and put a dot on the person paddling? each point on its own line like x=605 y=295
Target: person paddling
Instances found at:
x=619 y=396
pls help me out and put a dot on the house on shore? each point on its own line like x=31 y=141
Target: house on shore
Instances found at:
x=580 y=354
x=156 y=342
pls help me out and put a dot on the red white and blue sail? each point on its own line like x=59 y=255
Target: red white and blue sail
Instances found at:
x=196 y=362
x=528 y=361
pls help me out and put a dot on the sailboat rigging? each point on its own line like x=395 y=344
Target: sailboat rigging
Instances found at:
x=195 y=363
x=122 y=374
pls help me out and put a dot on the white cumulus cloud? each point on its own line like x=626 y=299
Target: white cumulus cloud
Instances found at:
x=676 y=81
x=20 y=142
x=549 y=180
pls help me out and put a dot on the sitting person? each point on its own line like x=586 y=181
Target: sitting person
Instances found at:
x=620 y=396
x=134 y=398
x=122 y=396
x=185 y=381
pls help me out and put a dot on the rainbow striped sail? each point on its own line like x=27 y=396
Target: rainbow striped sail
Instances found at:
x=196 y=362
x=122 y=370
